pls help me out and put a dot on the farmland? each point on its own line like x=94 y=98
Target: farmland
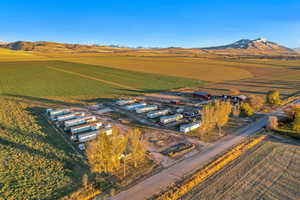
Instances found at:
x=30 y=82
x=36 y=163
x=64 y=79
x=271 y=171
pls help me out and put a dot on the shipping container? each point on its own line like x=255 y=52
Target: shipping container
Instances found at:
x=123 y=102
x=157 y=113
x=70 y=116
x=147 y=109
x=135 y=106
x=189 y=127
x=75 y=122
x=54 y=113
x=170 y=118
x=85 y=127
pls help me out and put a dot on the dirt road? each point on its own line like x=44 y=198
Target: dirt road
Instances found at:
x=167 y=177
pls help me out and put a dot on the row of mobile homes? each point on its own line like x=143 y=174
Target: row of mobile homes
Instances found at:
x=147 y=109
x=170 y=118
x=123 y=102
x=54 y=113
x=74 y=122
x=135 y=106
x=74 y=115
x=85 y=127
x=157 y=113
x=189 y=127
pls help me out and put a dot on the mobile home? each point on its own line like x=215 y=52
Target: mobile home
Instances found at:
x=135 y=106
x=189 y=127
x=123 y=102
x=85 y=127
x=54 y=113
x=157 y=113
x=75 y=122
x=170 y=118
x=146 y=109
x=70 y=116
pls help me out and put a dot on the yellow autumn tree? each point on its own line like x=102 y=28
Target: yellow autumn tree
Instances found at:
x=222 y=112
x=136 y=146
x=105 y=152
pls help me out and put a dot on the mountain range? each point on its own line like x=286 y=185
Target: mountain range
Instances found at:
x=242 y=47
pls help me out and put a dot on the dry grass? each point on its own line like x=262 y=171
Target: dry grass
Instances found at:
x=270 y=172
x=194 y=68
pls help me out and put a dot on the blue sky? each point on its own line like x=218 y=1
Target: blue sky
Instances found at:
x=155 y=23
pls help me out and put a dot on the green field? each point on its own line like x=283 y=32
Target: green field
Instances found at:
x=35 y=161
x=45 y=78
x=269 y=172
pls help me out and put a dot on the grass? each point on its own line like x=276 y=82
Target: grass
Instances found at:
x=36 y=163
x=193 y=68
x=41 y=78
x=269 y=172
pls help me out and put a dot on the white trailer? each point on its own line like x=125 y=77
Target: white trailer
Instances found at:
x=135 y=106
x=103 y=110
x=157 y=113
x=54 y=113
x=85 y=127
x=84 y=137
x=189 y=127
x=146 y=109
x=123 y=102
x=70 y=116
x=87 y=136
x=75 y=122
x=170 y=118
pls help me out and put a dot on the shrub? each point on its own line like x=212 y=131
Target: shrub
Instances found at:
x=273 y=98
x=246 y=109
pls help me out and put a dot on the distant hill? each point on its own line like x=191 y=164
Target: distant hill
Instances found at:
x=297 y=49
x=244 y=47
x=257 y=46
x=54 y=47
x=2 y=43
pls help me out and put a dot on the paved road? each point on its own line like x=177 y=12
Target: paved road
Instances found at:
x=167 y=177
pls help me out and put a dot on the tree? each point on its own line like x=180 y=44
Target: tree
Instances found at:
x=222 y=112
x=296 y=123
x=272 y=123
x=105 y=152
x=136 y=146
x=215 y=115
x=208 y=118
x=273 y=97
x=246 y=109
x=256 y=102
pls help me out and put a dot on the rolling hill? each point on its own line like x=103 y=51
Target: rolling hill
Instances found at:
x=242 y=47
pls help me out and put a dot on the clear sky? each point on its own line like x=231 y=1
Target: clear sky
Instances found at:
x=155 y=23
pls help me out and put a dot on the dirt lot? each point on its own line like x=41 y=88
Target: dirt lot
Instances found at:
x=270 y=171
